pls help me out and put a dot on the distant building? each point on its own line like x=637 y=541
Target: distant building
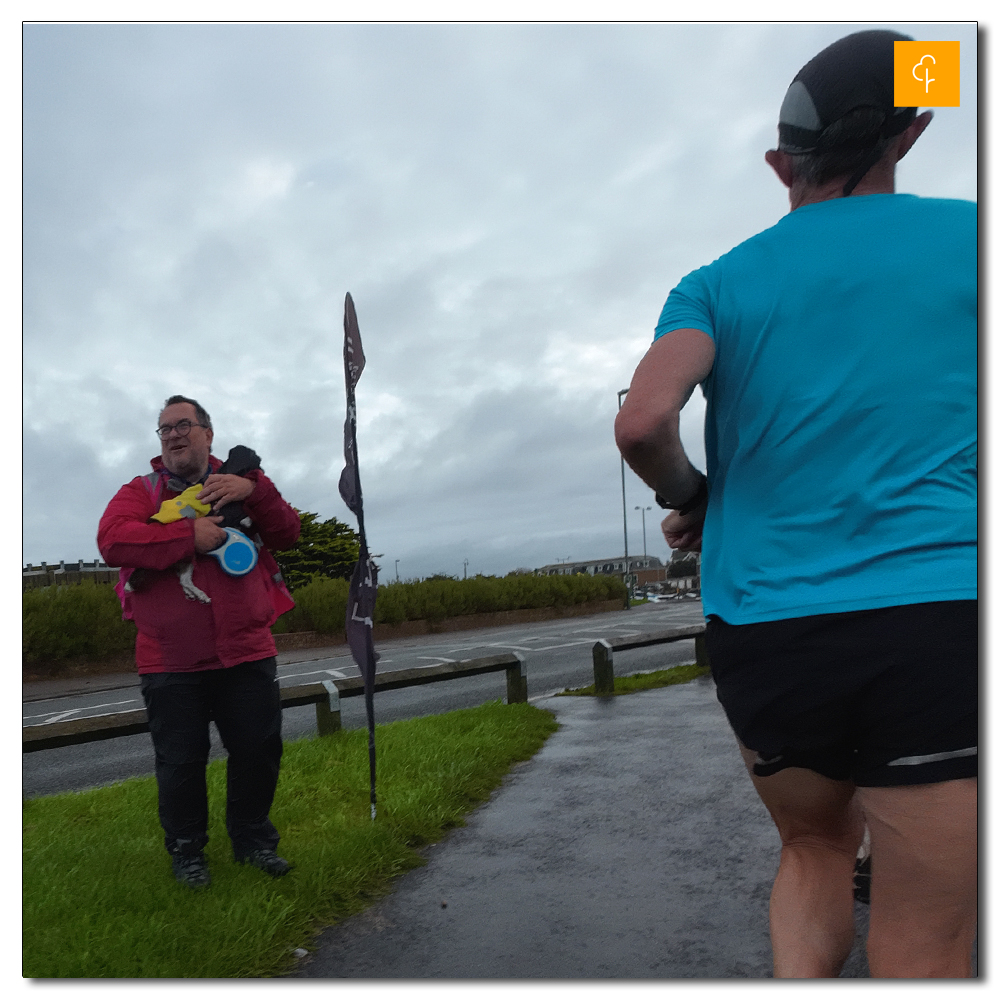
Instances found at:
x=647 y=569
x=47 y=575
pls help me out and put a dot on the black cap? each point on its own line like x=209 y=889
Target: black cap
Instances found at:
x=854 y=72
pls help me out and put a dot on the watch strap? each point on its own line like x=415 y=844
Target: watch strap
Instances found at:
x=700 y=495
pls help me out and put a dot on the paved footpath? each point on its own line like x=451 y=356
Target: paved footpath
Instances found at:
x=631 y=846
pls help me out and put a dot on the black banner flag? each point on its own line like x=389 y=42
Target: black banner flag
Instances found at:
x=364 y=582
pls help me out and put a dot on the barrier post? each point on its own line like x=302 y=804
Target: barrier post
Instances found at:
x=517 y=682
x=604 y=667
x=328 y=712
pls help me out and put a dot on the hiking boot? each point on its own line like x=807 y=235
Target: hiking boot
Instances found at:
x=268 y=862
x=191 y=870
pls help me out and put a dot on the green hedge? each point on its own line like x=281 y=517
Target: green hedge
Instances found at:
x=85 y=620
x=437 y=599
x=321 y=605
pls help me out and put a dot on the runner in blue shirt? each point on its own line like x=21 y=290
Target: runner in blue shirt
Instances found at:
x=837 y=521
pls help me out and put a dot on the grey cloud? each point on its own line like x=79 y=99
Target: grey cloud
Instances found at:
x=508 y=204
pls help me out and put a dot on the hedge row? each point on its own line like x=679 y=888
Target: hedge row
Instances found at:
x=85 y=620
x=320 y=605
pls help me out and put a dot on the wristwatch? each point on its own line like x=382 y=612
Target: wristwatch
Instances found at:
x=694 y=503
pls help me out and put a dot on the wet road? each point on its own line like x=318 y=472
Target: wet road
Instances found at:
x=557 y=655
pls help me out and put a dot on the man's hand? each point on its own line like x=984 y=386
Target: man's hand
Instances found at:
x=683 y=531
x=207 y=534
x=222 y=489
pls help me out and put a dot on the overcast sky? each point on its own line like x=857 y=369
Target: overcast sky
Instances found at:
x=508 y=205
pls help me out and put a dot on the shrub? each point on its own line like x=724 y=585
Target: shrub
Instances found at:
x=321 y=605
x=85 y=619
x=82 y=619
x=688 y=566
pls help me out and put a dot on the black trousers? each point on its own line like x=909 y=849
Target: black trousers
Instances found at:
x=245 y=704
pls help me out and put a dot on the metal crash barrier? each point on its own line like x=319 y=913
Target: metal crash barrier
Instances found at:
x=604 y=663
x=325 y=695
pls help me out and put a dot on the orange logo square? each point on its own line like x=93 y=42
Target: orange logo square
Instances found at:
x=925 y=74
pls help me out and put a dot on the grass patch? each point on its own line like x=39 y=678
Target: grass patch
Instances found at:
x=99 y=900
x=645 y=682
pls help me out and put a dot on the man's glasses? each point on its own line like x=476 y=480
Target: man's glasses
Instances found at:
x=183 y=428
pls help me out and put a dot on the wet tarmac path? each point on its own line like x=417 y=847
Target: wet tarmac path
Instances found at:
x=631 y=846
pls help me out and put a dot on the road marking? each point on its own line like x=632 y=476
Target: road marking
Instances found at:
x=310 y=673
x=85 y=708
x=624 y=629
x=539 y=649
x=442 y=659
x=526 y=649
x=314 y=659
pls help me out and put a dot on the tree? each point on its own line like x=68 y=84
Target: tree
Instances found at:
x=686 y=565
x=325 y=548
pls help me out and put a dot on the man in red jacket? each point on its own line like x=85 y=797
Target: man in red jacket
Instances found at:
x=204 y=649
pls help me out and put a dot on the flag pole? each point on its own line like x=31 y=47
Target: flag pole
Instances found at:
x=364 y=581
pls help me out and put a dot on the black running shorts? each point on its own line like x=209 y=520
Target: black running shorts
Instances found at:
x=882 y=697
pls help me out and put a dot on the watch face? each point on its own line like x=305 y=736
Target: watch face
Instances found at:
x=237 y=555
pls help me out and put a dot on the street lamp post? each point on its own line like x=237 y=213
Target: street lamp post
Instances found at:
x=397 y=571
x=644 y=509
x=465 y=569
x=628 y=586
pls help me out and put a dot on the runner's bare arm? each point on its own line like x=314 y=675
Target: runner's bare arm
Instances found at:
x=647 y=428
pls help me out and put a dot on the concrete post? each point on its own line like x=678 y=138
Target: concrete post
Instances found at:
x=517 y=682
x=604 y=667
x=328 y=712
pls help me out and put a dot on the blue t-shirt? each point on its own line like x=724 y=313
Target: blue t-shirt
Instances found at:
x=840 y=430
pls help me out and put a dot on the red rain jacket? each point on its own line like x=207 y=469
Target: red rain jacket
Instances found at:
x=175 y=632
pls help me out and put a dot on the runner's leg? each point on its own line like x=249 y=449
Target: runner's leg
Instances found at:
x=812 y=902
x=924 y=885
